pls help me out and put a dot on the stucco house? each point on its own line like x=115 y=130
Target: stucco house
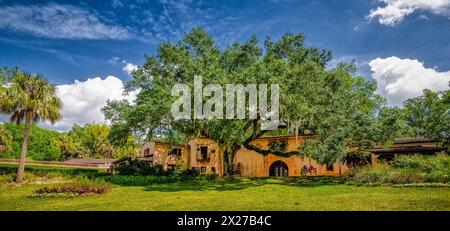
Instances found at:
x=203 y=155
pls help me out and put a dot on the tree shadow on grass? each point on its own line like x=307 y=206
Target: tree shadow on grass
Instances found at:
x=233 y=184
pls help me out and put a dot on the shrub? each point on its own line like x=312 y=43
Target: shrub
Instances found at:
x=138 y=167
x=78 y=188
x=141 y=180
x=427 y=164
x=42 y=171
x=406 y=170
x=133 y=180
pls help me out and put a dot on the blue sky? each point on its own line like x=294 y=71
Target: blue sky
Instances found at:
x=68 y=40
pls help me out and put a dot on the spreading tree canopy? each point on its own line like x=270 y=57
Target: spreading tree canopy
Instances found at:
x=335 y=106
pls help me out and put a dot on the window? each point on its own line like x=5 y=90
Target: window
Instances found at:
x=330 y=167
x=203 y=153
x=203 y=169
x=146 y=152
x=175 y=152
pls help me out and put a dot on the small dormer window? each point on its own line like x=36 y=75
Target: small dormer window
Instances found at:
x=202 y=153
x=175 y=152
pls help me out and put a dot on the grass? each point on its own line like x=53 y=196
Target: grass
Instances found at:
x=206 y=193
x=242 y=194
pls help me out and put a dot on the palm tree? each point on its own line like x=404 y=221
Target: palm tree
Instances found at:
x=356 y=158
x=29 y=98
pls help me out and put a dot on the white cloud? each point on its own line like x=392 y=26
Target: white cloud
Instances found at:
x=129 y=67
x=58 y=21
x=394 y=11
x=114 y=60
x=401 y=79
x=82 y=101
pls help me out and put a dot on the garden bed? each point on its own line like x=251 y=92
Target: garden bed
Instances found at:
x=72 y=189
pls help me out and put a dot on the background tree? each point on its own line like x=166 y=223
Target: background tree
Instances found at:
x=69 y=147
x=93 y=140
x=429 y=116
x=49 y=145
x=40 y=143
x=5 y=139
x=30 y=98
x=5 y=135
x=332 y=103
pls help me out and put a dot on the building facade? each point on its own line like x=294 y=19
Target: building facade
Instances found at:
x=203 y=155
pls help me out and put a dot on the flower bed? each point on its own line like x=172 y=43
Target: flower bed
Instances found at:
x=72 y=189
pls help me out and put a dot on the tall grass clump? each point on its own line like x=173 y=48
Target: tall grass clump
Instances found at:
x=406 y=170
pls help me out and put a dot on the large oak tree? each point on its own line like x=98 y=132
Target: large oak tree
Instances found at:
x=333 y=104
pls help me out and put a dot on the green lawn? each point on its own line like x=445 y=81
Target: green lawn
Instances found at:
x=271 y=194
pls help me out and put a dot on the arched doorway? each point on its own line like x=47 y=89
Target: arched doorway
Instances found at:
x=278 y=168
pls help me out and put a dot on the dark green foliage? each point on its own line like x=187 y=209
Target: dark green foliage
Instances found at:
x=278 y=145
x=407 y=169
x=42 y=171
x=331 y=103
x=149 y=180
x=40 y=144
x=73 y=188
x=429 y=115
x=424 y=164
x=89 y=141
x=357 y=158
x=140 y=168
x=143 y=180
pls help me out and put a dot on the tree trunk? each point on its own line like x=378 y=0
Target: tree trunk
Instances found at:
x=23 y=155
x=228 y=156
x=228 y=164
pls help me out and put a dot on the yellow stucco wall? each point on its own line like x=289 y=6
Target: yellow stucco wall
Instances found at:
x=248 y=162
x=215 y=157
x=161 y=155
x=251 y=163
